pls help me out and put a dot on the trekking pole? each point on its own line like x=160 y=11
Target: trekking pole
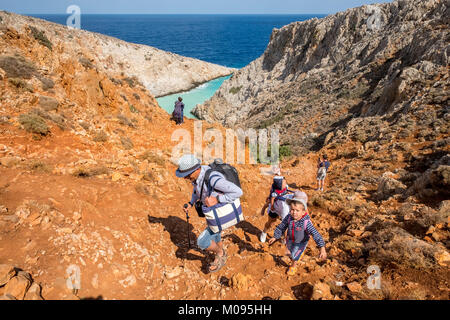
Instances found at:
x=187 y=218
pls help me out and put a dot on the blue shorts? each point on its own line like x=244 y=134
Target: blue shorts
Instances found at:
x=296 y=249
x=204 y=240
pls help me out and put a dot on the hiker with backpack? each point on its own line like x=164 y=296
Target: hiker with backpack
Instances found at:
x=299 y=230
x=178 y=112
x=215 y=196
x=275 y=204
x=323 y=166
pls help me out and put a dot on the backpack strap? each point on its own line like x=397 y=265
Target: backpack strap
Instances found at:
x=208 y=177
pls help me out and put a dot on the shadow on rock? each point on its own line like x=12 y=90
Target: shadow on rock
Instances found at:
x=178 y=230
x=243 y=245
x=303 y=291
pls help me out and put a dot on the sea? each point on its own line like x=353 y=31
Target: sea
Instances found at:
x=229 y=40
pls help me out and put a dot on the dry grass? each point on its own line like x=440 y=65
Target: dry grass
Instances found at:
x=39 y=166
x=21 y=84
x=100 y=136
x=142 y=189
x=34 y=124
x=153 y=157
x=126 y=143
x=86 y=172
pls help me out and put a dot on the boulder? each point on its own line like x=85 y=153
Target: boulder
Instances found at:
x=9 y=161
x=393 y=245
x=34 y=292
x=6 y=273
x=433 y=182
x=48 y=103
x=321 y=291
x=240 y=281
x=443 y=258
x=388 y=186
x=18 y=286
x=3 y=210
x=354 y=287
x=173 y=273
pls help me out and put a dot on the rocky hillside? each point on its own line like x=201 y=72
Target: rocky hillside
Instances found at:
x=315 y=76
x=160 y=72
x=86 y=180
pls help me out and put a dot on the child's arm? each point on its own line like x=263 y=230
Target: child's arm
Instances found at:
x=315 y=234
x=318 y=239
x=272 y=200
x=281 y=228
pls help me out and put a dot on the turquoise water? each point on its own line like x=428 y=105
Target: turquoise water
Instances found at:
x=192 y=98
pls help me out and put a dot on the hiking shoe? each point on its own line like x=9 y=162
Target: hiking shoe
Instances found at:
x=263 y=237
x=219 y=262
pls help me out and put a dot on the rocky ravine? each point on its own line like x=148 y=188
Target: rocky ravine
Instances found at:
x=86 y=180
x=315 y=76
x=160 y=72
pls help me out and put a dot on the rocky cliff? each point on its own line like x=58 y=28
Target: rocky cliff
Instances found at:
x=315 y=76
x=87 y=187
x=160 y=72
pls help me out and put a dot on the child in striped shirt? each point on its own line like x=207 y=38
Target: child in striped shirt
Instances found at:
x=299 y=229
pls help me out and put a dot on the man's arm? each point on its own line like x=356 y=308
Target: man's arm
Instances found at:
x=194 y=198
x=230 y=191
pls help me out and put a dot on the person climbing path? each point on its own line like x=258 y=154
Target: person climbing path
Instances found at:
x=299 y=229
x=275 y=204
x=322 y=170
x=211 y=189
x=178 y=112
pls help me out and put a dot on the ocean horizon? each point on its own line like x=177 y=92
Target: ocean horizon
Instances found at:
x=231 y=40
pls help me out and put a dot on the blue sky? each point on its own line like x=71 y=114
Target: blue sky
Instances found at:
x=184 y=6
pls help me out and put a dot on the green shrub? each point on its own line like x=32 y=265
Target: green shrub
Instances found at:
x=21 y=84
x=287 y=109
x=235 y=90
x=133 y=109
x=17 y=67
x=132 y=81
x=55 y=118
x=41 y=37
x=34 y=124
x=285 y=151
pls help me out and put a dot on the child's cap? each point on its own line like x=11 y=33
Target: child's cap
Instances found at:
x=299 y=196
